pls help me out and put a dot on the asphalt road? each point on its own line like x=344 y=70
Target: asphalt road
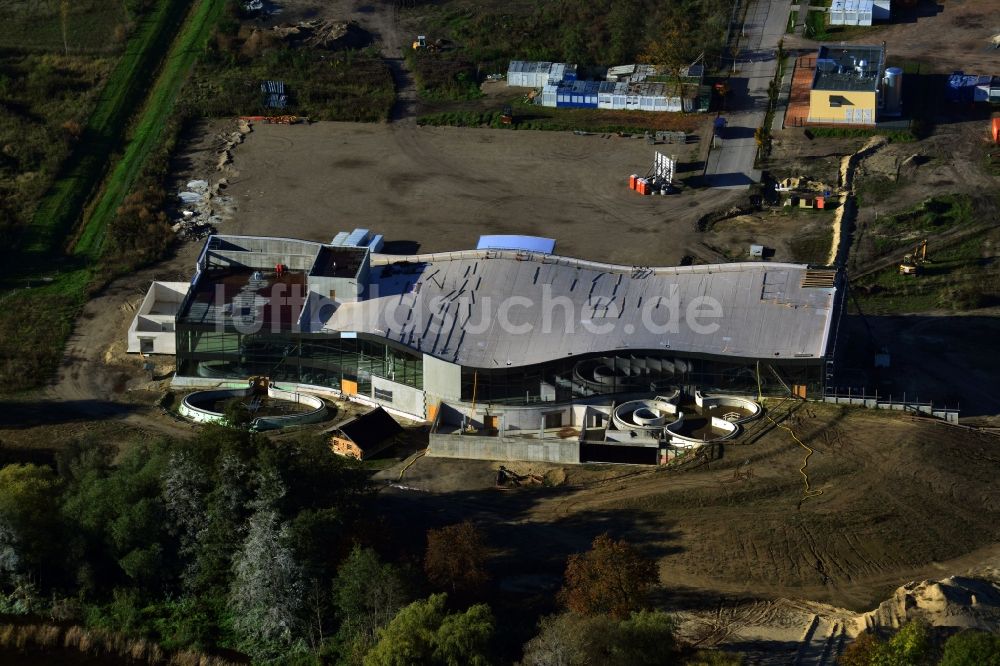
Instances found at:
x=731 y=162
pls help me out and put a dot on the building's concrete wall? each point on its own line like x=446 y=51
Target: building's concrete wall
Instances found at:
x=156 y=318
x=442 y=380
x=263 y=261
x=342 y=290
x=404 y=398
x=861 y=105
x=477 y=447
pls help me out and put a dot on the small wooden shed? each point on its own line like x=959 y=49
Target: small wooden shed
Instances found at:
x=366 y=435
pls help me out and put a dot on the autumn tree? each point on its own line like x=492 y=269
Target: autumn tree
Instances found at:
x=456 y=559
x=611 y=578
x=674 y=50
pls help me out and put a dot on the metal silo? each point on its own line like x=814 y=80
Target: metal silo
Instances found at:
x=892 y=92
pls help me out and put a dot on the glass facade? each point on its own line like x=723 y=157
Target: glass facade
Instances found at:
x=326 y=359
x=319 y=359
x=563 y=380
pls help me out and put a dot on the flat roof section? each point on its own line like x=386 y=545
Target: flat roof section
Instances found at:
x=849 y=68
x=234 y=296
x=340 y=262
x=526 y=243
x=493 y=309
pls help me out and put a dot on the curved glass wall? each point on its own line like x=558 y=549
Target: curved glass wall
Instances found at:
x=315 y=358
x=563 y=380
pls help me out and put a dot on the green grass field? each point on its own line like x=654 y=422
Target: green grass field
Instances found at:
x=92 y=26
x=127 y=85
x=44 y=313
x=147 y=131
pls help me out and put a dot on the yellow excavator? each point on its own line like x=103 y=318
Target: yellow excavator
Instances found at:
x=913 y=263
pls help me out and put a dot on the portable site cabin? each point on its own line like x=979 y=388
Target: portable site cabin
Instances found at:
x=859 y=12
x=536 y=74
x=973 y=88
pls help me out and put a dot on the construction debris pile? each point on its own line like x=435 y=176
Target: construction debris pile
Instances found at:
x=509 y=479
x=318 y=34
x=804 y=192
x=201 y=206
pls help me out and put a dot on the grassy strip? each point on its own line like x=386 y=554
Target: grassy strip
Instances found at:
x=816 y=25
x=492 y=119
x=149 y=128
x=60 y=209
x=894 y=135
x=44 y=314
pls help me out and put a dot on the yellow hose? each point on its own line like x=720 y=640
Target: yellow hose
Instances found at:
x=415 y=458
x=808 y=492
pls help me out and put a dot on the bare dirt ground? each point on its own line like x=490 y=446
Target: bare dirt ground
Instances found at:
x=440 y=188
x=944 y=35
x=789 y=234
x=900 y=499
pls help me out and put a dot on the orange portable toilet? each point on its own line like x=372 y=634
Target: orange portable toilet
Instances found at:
x=820 y=202
x=631 y=181
x=996 y=130
x=641 y=186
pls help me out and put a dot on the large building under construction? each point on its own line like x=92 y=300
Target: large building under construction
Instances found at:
x=503 y=329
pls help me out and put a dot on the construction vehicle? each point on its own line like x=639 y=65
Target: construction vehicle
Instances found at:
x=913 y=263
x=421 y=43
x=507 y=115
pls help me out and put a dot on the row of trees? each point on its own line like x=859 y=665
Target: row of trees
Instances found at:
x=235 y=542
x=914 y=645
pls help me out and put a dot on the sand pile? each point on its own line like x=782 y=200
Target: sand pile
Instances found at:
x=957 y=601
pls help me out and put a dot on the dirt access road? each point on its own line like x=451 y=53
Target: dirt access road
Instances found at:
x=439 y=188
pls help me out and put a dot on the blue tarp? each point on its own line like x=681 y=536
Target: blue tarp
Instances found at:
x=526 y=243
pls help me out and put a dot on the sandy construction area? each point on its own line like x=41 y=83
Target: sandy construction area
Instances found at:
x=434 y=189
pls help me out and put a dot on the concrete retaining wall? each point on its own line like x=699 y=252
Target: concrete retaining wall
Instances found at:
x=949 y=415
x=478 y=447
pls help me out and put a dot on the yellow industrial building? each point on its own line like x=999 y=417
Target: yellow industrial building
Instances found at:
x=846 y=85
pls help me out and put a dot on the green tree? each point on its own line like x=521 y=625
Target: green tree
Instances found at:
x=860 y=652
x=367 y=594
x=120 y=516
x=29 y=512
x=625 y=30
x=236 y=414
x=611 y=578
x=267 y=590
x=423 y=633
x=570 y=639
x=646 y=637
x=911 y=646
x=971 y=648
